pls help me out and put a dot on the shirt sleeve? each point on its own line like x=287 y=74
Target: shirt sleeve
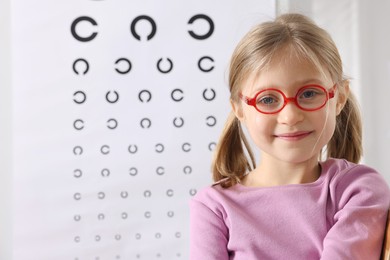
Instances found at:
x=361 y=204
x=208 y=233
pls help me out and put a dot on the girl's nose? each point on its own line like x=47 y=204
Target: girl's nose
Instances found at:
x=290 y=114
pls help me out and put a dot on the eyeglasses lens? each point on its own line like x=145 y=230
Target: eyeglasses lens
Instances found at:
x=311 y=98
x=269 y=101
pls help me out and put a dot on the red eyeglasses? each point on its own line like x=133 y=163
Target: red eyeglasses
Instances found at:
x=272 y=100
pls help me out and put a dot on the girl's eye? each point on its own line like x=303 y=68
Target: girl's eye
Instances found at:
x=267 y=100
x=310 y=93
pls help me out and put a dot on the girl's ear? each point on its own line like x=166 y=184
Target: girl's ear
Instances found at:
x=342 y=96
x=237 y=109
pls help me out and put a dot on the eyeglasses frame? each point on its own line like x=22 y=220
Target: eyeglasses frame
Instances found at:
x=252 y=101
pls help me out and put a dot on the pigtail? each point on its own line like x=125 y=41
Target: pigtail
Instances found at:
x=230 y=161
x=346 y=142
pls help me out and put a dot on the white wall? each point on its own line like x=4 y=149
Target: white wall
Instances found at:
x=374 y=40
x=5 y=133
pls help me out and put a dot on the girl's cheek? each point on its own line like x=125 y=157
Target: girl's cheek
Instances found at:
x=263 y=125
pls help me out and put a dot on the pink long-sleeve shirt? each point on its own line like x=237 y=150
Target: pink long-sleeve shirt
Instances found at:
x=341 y=215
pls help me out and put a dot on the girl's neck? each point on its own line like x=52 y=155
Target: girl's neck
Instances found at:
x=272 y=172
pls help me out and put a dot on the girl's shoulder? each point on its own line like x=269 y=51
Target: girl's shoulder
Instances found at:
x=214 y=198
x=211 y=192
x=218 y=197
x=341 y=169
x=347 y=179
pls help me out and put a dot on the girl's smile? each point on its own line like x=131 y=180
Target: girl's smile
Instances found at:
x=293 y=136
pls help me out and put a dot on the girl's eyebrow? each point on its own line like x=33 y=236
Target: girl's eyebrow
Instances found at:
x=311 y=81
x=297 y=84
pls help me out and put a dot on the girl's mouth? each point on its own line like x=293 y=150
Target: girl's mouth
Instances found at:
x=295 y=136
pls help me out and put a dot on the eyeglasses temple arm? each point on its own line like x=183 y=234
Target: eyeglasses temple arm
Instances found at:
x=331 y=91
x=245 y=99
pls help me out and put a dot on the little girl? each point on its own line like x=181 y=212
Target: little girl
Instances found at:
x=288 y=89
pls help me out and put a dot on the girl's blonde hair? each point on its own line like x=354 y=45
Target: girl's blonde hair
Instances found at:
x=233 y=155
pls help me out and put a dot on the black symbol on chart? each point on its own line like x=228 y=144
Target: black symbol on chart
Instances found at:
x=201 y=63
x=112 y=123
x=170 y=193
x=76 y=66
x=78 y=124
x=160 y=170
x=78 y=150
x=147 y=194
x=212 y=146
x=124 y=194
x=145 y=96
x=178 y=122
x=209 y=97
x=146 y=123
x=79 y=97
x=186 y=147
x=105 y=172
x=132 y=148
x=139 y=18
x=187 y=170
x=105 y=149
x=101 y=195
x=211 y=121
x=176 y=95
x=76 y=22
x=127 y=66
x=112 y=97
x=148 y=214
x=208 y=20
x=77 y=173
x=77 y=196
x=159 y=148
x=133 y=171
x=166 y=70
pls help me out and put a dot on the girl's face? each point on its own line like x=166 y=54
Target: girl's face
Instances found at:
x=291 y=135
